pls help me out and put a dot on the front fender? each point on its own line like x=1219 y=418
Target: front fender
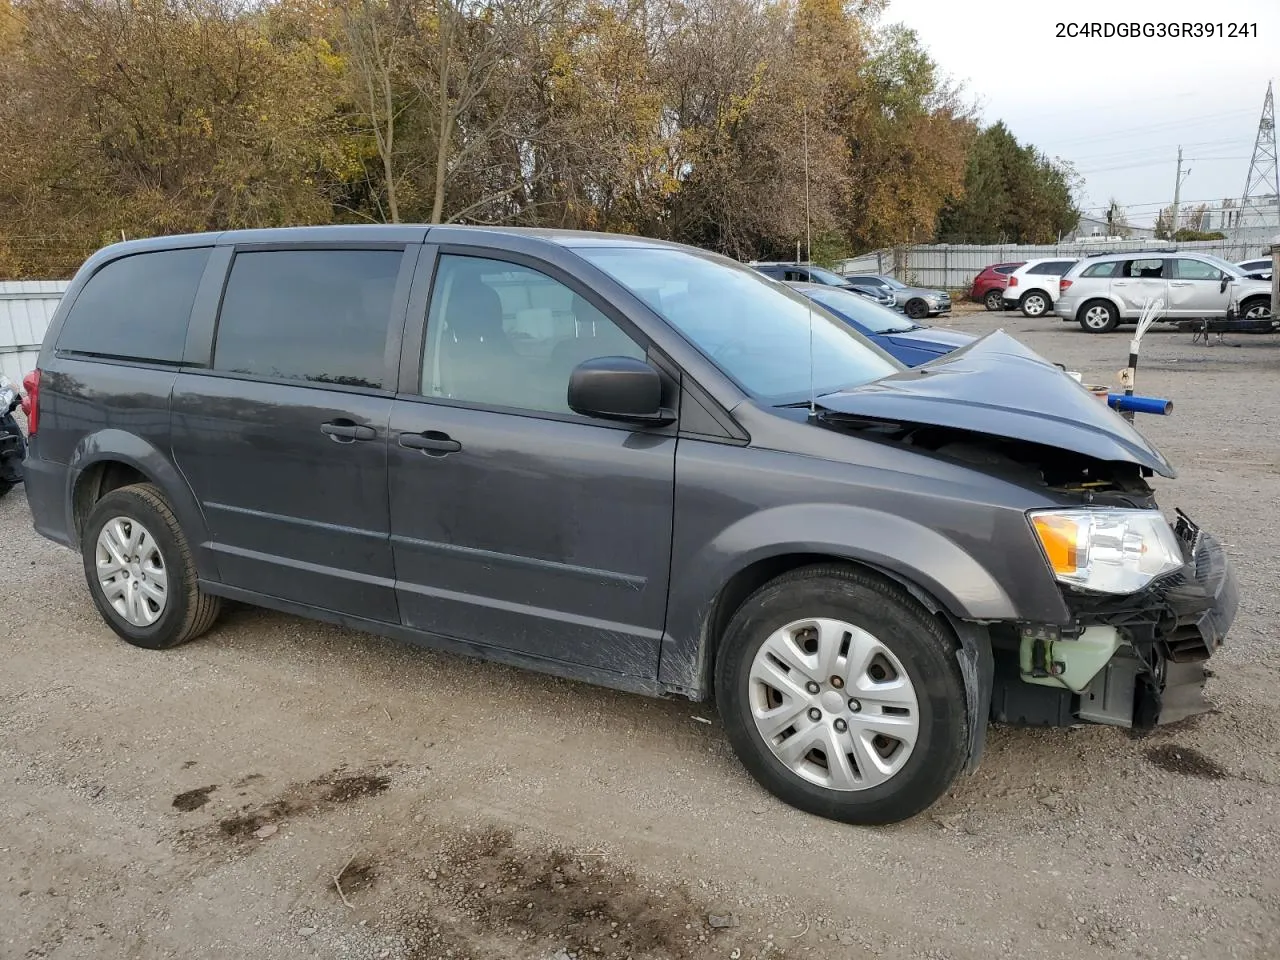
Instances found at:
x=119 y=446
x=908 y=551
x=912 y=551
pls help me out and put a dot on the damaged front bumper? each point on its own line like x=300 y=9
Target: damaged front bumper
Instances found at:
x=1133 y=661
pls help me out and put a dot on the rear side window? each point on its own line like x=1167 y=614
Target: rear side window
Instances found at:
x=1144 y=269
x=315 y=315
x=1106 y=268
x=1007 y=268
x=137 y=307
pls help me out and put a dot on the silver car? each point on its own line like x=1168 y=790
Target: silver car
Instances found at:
x=916 y=302
x=1101 y=292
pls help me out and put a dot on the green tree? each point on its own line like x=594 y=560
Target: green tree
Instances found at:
x=1012 y=193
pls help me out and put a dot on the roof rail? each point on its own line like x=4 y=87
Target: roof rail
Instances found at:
x=1117 y=253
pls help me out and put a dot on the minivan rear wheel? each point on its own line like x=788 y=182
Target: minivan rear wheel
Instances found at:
x=842 y=696
x=138 y=565
x=1098 y=316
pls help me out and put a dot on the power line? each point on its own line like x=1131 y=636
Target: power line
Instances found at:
x=1139 y=152
x=1153 y=163
x=1177 y=124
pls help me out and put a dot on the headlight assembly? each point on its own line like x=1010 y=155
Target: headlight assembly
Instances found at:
x=1110 y=551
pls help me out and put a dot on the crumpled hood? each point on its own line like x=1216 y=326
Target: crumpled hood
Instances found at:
x=999 y=387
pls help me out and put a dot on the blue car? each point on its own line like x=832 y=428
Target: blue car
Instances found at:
x=908 y=341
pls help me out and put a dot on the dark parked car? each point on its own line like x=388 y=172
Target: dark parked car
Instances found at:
x=916 y=302
x=988 y=286
x=808 y=273
x=633 y=463
x=907 y=341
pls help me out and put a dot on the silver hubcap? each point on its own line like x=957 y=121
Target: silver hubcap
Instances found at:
x=131 y=571
x=1034 y=306
x=1097 y=317
x=834 y=704
x=993 y=299
x=1257 y=312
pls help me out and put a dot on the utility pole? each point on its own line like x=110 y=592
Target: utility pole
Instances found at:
x=1177 y=194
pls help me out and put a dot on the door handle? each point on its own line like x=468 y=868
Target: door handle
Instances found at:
x=344 y=431
x=1180 y=283
x=431 y=442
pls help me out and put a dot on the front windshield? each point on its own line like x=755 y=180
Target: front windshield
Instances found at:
x=756 y=331
x=872 y=316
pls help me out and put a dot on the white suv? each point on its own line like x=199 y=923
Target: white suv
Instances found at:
x=1033 y=287
x=1102 y=292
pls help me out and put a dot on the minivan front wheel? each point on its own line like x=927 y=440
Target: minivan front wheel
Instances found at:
x=842 y=696
x=138 y=566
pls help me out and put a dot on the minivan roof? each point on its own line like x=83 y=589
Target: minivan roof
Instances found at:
x=384 y=233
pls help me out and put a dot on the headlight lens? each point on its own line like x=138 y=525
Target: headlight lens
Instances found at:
x=1110 y=551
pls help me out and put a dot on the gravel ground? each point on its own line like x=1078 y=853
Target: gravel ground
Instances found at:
x=283 y=788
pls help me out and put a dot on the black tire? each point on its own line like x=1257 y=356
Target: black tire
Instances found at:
x=1090 y=313
x=994 y=300
x=1253 y=304
x=1034 y=304
x=188 y=612
x=921 y=645
x=5 y=487
x=916 y=309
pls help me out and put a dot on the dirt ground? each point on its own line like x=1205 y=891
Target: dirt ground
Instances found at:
x=283 y=789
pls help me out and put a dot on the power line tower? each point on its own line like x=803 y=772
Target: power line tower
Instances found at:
x=1260 y=206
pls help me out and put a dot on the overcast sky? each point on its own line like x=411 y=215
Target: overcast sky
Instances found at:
x=1116 y=108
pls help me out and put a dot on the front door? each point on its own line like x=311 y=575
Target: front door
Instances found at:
x=284 y=441
x=1196 y=290
x=516 y=523
x=1138 y=281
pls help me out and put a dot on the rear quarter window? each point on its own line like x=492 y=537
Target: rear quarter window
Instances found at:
x=136 y=308
x=1104 y=269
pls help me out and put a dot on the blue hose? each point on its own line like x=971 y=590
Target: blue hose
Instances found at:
x=1118 y=401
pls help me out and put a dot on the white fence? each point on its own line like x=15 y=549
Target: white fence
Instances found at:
x=953 y=266
x=26 y=307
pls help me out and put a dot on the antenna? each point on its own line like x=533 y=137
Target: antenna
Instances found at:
x=808 y=245
x=808 y=258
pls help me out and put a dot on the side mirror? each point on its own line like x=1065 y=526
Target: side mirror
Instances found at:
x=618 y=388
x=1222 y=287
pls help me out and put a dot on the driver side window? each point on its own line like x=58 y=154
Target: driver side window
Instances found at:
x=505 y=335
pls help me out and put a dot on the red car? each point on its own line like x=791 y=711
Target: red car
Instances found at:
x=988 y=286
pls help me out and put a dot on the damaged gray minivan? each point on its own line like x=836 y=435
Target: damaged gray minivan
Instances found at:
x=628 y=462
